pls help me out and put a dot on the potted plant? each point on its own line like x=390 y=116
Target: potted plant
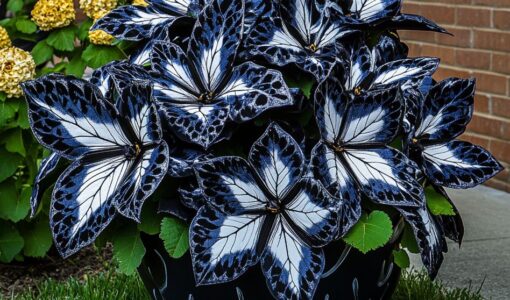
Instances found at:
x=289 y=149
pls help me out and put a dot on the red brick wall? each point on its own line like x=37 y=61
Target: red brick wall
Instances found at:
x=479 y=48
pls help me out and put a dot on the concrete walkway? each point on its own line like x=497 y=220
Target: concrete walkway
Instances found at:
x=485 y=252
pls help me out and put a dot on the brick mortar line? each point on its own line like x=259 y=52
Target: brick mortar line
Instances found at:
x=470 y=6
x=492 y=117
x=485 y=137
x=483 y=72
x=472 y=29
x=455 y=48
x=424 y=43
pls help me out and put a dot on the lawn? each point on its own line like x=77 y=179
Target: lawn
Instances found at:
x=113 y=286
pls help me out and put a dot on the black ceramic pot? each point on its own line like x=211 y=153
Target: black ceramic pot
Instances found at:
x=348 y=275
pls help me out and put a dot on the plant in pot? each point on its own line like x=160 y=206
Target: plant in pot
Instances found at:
x=258 y=149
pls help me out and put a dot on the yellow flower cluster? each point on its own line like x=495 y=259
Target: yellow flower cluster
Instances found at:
x=52 y=14
x=16 y=66
x=96 y=9
x=139 y=3
x=5 y=41
x=99 y=37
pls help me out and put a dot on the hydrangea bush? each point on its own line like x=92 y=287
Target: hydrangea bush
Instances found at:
x=37 y=38
x=256 y=133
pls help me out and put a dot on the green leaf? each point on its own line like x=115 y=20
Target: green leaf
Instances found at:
x=305 y=84
x=26 y=26
x=11 y=242
x=3 y=96
x=23 y=121
x=76 y=66
x=8 y=110
x=151 y=220
x=174 y=234
x=401 y=258
x=371 y=232
x=14 y=5
x=42 y=52
x=37 y=236
x=9 y=163
x=409 y=241
x=83 y=30
x=14 y=207
x=62 y=39
x=13 y=140
x=58 y=68
x=98 y=56
x=128 y=249
x=438 y=204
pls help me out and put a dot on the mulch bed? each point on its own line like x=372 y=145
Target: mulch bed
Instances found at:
x=21 y=276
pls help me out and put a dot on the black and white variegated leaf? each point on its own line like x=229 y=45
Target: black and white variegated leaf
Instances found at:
x=245 y=220
x=413 y=101
x=372 y=118
x=369 y=122
x=272 y=39
x=142 y=181
x=192 y=196
x=446 y=111
x=314 y=212
x=83 y=202
x=48 y=165
x=182 y=161
x=230 y=185
x=140 y=113
x=389 y=48
x=134 y=23
x=118 y=156
x=113 y=77
x=301 y=35
x=255 y=11
x=411 y=70
x=372 y=11
x=459 y=164
x=253 y=89
x=199 y=92
x=452 y=226
x=327 y=166
x=302 y=15
x=197 y=123
x=223 y=246
x=322 y=62
x=429 y=237
x=331 y=27
x=173 y=77
x=174 y=7
x=215 y=39
x=292 y=269
x=102 y=79
x=361 y=65
x=330 y=108
x=70 y=117
x=279 y=160
x=123 y=74
x=414 y=22
x=385 y=175
x=142 y=55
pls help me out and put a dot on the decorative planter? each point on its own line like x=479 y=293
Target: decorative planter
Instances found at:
x=348 y=274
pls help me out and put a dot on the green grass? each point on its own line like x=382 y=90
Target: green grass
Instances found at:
x=418 y=286
x=106 y=286
x=112 y=286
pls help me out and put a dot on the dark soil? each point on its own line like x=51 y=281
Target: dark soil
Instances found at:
x=21 y=276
